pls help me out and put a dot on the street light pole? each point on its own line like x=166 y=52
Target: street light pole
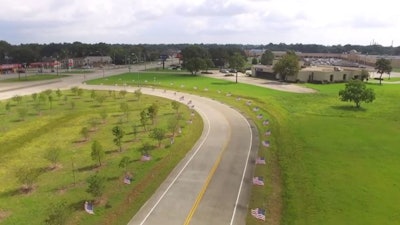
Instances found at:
x=133 y=54
x=102 y=63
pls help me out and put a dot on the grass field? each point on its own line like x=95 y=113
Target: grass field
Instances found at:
x=328 y=163
x=25 y=139
x=337 y=164
x=37 y=77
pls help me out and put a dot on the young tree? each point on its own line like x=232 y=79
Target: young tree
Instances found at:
x=59 y=93
x=17 y=99
x=34 y=96
x=48 y=92
x=22 y=112
x=8 y=107
x=93 y=94
x=58 y=213
x=27 y=176
x=138 y=94
x=124 y=163
x=96 y=185
x=50 y=101
x=153 y=112
x=100 y=99
x=237 y=62
x=103 y=115
x=85 y=133
x=80 y=92
x=123 y=93
x=383 y=66
x=288 y=65
x=356 y=91
x=125 y=109
x=118 y=135
x=93 y=123
x=144 y=117
x=158 y=134
x=175 y=106
x=53 y=156
x=267 y=58
x=146 y=147
x=97 y=152
x=173 y=125
x=74 y=90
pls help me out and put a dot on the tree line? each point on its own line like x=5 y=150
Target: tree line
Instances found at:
x=121 y=53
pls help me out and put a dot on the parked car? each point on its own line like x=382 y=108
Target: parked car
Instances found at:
x=224 y=71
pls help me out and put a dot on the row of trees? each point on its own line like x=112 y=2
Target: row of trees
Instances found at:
x=27 y=53
x=148 y=119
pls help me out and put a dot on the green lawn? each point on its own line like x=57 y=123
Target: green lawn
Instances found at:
x=37 y=77
x=24 y=141
x=392 y=79
x=337 y=164
x=328 y=163
x=396 y=69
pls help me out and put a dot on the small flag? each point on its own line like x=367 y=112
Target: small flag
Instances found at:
x=258 y=181
x=248 y=102
x=255 y=109
x=260 y=160
x=266 y=143
x=145 y=158
x=268 y=133
x=127 y=180
x=260 y=116
x=265 y=122
x=89 y=207
x=258 y=213
x=238 y=99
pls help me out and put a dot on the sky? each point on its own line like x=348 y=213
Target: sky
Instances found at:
x=201 y=21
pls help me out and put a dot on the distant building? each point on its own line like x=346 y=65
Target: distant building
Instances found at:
x=10 y=68
x=326 y=74
x=92 y=61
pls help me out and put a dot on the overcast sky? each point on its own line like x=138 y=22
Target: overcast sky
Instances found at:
x=201 y=21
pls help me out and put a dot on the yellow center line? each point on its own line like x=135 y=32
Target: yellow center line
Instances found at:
x=205 y=185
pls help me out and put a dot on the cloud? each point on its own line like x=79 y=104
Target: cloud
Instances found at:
x=215 y=21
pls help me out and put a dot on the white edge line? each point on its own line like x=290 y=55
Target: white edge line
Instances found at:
x=180 y=172
x=244 y=173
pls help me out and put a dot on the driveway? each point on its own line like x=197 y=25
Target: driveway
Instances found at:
x=272 y=84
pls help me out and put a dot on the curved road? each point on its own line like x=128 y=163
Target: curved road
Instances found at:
x=211 y=185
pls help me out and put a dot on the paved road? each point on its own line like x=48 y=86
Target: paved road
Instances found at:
x=212 y=184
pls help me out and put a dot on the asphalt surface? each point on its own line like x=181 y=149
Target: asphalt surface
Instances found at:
x=211 y=185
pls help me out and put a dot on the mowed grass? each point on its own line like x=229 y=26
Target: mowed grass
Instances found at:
x=36 y=77
x=328 y=163
x=24 y=142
